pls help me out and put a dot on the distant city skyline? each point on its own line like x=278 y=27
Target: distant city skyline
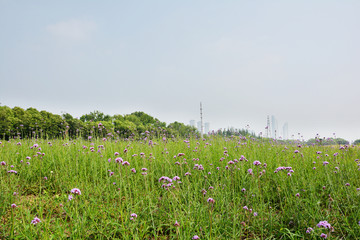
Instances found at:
x=206 y=127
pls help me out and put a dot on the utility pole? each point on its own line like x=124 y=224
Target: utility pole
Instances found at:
x=201 y=120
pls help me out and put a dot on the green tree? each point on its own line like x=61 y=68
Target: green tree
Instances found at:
x=6 y=119
x=95 y=116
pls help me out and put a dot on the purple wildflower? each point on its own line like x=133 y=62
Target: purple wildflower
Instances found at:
x=257 y=163
x=324 y=224
x=126 y=163
x=76 y=191
x=35 y=221
x=70 y=197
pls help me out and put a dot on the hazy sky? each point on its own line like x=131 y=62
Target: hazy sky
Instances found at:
x=297 y=60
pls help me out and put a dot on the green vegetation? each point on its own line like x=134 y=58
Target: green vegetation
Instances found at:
x=31 y=123
x=327 y=141
x=290 y=188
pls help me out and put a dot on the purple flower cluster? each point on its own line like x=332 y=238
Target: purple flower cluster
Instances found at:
x=323 y=235
x=165 y=179
x=35 y=221
x=283 y=168
x=257 y=163
x=126 y=163
x=198 y=167
x=133 y=216
x=76 y=191
x=242 y=158
x=324 y=224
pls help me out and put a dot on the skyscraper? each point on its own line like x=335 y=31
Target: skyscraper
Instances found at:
x=199 y=126
x=274 y=127
x=286 y=131
x=192 y=123
x=207 y=127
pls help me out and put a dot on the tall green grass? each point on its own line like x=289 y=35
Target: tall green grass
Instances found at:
x=282 y=206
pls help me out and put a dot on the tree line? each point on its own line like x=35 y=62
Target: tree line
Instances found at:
x=30 y=123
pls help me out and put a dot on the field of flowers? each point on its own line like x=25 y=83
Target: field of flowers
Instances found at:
x=212 y=188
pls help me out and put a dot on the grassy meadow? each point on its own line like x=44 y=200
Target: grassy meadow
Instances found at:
x=213 y=188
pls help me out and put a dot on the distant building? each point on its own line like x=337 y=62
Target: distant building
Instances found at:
x=274 y=127
x=207 y=127
x=199 y=126
x=286 y=131
x=192 y=123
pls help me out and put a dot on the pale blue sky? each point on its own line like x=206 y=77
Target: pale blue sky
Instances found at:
x=297 y=60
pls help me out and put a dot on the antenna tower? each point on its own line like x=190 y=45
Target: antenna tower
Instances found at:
x=201 y=120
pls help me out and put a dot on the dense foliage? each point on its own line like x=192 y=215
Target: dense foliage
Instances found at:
x=31 y=123
x=327 y=141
